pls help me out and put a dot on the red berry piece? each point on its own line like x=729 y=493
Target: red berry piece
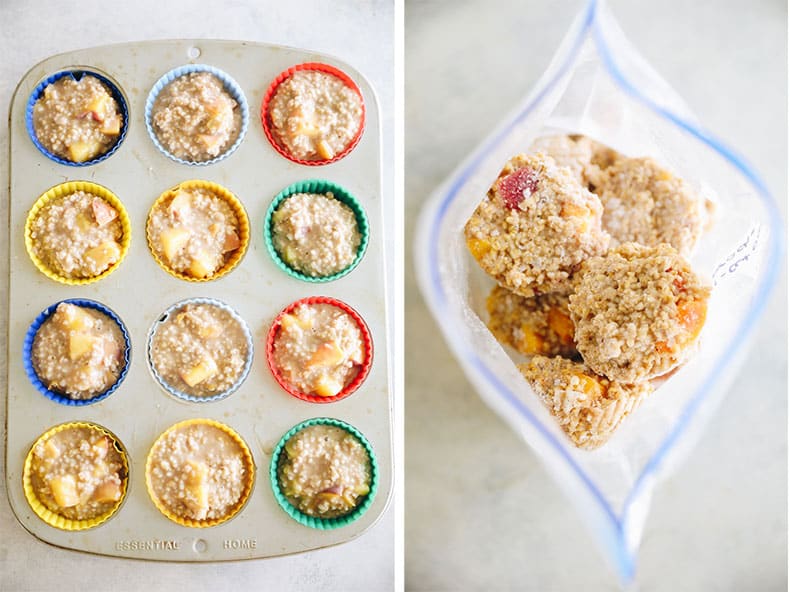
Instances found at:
x=517 y=186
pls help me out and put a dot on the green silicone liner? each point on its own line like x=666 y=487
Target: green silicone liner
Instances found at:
x=316 y=186
x=312 y=521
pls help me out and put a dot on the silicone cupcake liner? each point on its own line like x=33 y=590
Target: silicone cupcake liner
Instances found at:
x=238 y=209
x=367 y=342
x=267 y=122
x=317 y=186
x=63 y=190
x=27 y=348
x=248 y=483
x=186 y=396
x=77 y=74
x=313 y=521
x=52 y=518
x=230 y=85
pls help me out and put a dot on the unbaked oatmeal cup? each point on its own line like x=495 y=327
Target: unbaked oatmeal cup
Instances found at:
x=76 y=352
x=319 y=349
x=199 y=473
x=75 y=476
x=197 y=231
x=313 y=114
x=324 y=473
x=316 y=231
x=77 y=233
x=200 y=350
x=77 y=117
x=196 y=115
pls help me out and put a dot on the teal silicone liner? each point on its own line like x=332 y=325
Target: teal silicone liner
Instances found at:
x=312 y=521
x=339 y=193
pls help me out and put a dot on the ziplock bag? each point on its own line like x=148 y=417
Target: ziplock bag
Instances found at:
x=598 y=85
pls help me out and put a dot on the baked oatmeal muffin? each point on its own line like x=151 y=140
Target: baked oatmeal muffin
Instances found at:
x=201 y=349
x=318 y=349
x=637 y=311
x=77 y=120
x=586 y=158
x=315 y=234
x=195 y=118
x=324 y=471
x=197 y=230
x=76 y=236
x=77 y=471
x=588 y=407
x=199 y=473
x=78 y=352
x=535 y=226
x=538 y=325
x=644 y=203
x=315 y=115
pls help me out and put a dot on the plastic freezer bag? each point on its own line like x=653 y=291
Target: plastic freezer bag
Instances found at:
x=599 y=86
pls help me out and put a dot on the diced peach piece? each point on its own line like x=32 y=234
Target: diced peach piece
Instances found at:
x=105 y=254
x=328 y=496
x=327 y=355
x=289 y=255
x=589 y=386
x=210 y=141
x=82 y=151
x=80 y=344
x=202 y=265
x=197 y=486
x=231 y=243
x=205 y=369
x=692 y=317
x=324 y=150
x=561 y=324
x=209 y=330
x=327 y=387
x=103 y=212
x=362 y=489
x=84 y=222
x=51 y=450
x=198 y=473
x=531 y=342
x=111 y=125
x=64 y=490
x=101 y=447
x=478 y=247
x=289 y=320
x=75 y=318
x=173 y=240
x=99 y=107
x=181 y=203
x=570 y=210
x=108 y=491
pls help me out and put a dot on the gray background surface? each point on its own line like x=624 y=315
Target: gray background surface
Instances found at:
x=481 y=512
x=357 y=32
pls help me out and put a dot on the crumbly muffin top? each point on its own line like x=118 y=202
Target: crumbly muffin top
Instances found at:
x=588 y=407
x=644 y=203
x=537 y=325
x=637 y=311
x=535 y=226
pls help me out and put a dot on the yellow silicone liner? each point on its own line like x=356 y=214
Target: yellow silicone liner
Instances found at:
x=238 y=209
x=54 y=519
x=248 y=484
x=62 y=190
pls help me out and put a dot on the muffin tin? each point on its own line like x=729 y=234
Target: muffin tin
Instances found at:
x=139 y=291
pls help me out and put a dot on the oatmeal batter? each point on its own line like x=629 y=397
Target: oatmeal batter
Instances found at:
x=315 y=234
x=324 y=471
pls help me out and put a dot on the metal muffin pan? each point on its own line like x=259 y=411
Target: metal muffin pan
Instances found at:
x=139 y=291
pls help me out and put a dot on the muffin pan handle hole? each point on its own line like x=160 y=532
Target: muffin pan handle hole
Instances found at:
x=193 y=53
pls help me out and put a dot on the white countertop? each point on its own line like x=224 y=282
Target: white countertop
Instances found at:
x=359 y=33
x=481 y=511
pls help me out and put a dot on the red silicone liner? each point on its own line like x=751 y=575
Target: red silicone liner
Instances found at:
x=367 y=342
x=267 y=123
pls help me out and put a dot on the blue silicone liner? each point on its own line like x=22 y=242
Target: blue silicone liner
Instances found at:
x=28 y=347
x=77 y=74
x=230 y=85
x=313 y=521
x=322 y=187
x=186 y=396
x=625 y=558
